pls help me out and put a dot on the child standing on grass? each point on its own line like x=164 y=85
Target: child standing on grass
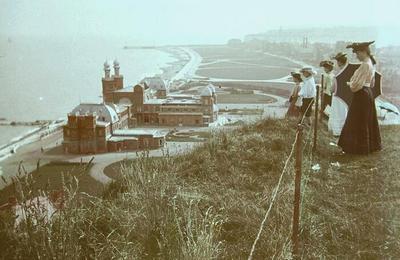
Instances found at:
x=295 y=100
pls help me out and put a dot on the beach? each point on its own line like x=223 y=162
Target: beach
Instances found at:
x=45 y=78
x=26 y=144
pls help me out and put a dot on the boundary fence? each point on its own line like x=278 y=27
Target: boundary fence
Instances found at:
x=297 y=150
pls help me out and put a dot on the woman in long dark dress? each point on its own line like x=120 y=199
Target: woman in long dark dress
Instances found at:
x=360 y=133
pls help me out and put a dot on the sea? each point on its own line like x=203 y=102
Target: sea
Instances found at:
x=45 y=78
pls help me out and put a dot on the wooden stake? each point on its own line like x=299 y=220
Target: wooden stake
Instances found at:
x=321 y=94
x=297 y=194
x=314 y=149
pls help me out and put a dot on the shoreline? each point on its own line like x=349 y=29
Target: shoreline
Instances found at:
x=49 y=135
x=9 y=148
x=36 y=134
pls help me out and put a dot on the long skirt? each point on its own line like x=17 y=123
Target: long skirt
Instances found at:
x=307 y=106
x=337 y=116
x=293 y=110
x=327 y=101
x=360 y=133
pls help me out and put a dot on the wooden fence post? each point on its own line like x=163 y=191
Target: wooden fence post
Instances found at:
x=321 y=94
x=314 y=149
x=297 y=193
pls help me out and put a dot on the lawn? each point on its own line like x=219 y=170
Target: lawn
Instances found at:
x=244 y=99
x=244 y=73
x=51 y=177
x=237 y=63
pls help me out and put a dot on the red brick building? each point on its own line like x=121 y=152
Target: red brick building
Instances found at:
x=99 y=128
x=151 y=104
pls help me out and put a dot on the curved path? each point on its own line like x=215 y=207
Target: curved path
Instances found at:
x=101 y=161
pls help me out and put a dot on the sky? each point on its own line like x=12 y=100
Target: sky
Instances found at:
x=190 y=21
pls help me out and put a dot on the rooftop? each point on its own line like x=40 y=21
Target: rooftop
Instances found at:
x=101 y=123
x=122 y=138
x=155 y=83
x=103 y=112
x=173 y=101
x=139 y=132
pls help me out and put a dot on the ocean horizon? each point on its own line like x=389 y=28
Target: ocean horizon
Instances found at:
x=45 y=78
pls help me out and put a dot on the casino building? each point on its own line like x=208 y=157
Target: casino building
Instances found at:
x=151 y=104
x=110 y=125
x=100 y=128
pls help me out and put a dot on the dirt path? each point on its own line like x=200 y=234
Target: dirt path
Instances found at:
x=101 y=161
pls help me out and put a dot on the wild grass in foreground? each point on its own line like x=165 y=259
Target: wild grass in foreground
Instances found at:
x=208 y=204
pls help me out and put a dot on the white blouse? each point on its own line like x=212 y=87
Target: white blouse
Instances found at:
x=308 y=89
x=363 y=76
x=328 y=83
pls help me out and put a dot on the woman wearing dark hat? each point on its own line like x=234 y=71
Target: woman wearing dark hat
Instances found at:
x=327 y=87
x=295 y=100
x=360 y=133
x=341 y=59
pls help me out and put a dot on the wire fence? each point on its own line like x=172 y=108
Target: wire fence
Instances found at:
x=298 y=140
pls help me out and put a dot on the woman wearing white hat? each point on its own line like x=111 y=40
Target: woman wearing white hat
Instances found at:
x=308 y=92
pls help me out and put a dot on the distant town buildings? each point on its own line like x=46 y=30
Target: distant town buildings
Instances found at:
x=312 y=35
x=234 y=43
x=110 y=126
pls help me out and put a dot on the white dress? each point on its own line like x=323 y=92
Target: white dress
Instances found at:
x=338 y=111
x=338 y=114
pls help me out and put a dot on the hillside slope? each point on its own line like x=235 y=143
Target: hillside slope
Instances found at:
x=209 y=203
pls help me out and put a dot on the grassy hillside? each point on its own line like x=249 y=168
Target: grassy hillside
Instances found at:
x=210 y=202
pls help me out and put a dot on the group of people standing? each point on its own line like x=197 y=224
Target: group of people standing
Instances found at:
x=358 y=125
